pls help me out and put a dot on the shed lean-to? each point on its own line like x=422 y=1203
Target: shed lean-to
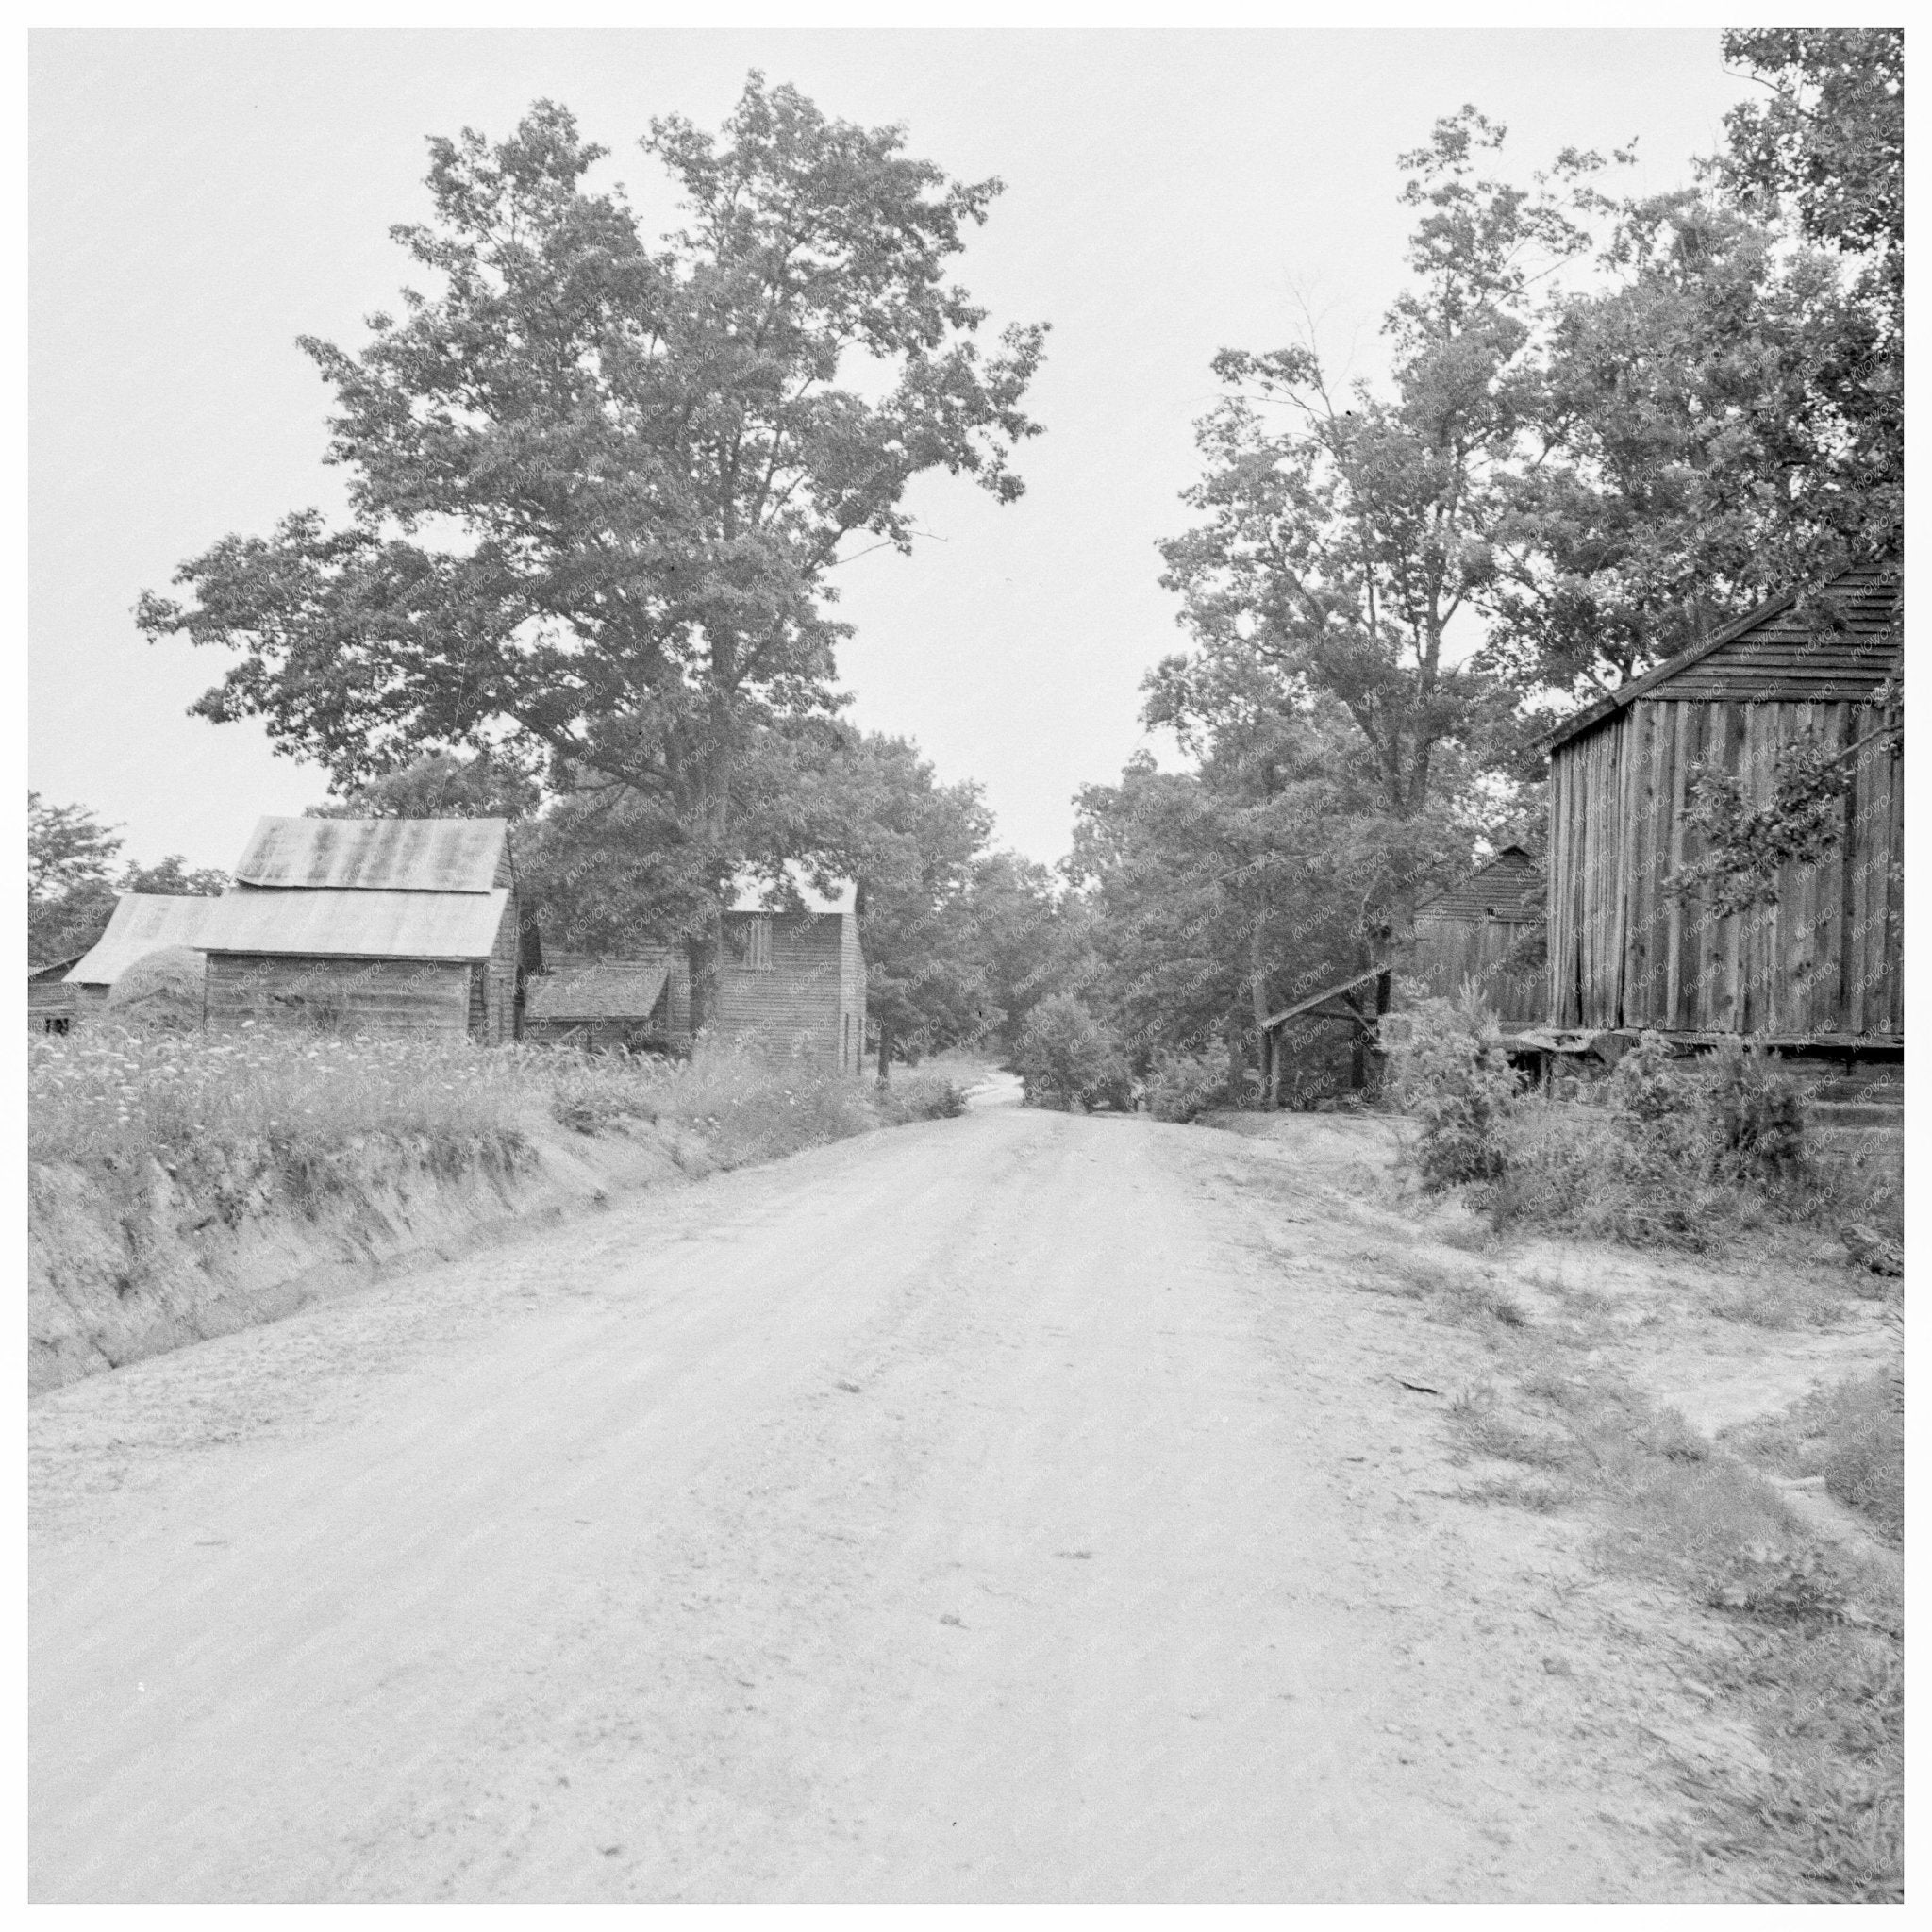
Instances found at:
x=580 y=1000
x=1819 y=967
x=143 y=923
x=49 y=999
x=792 y=979
x=388 y=925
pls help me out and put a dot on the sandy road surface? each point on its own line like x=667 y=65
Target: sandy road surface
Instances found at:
x=977 y=1510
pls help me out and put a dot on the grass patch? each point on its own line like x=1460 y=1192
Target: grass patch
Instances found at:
x=1851 y=1435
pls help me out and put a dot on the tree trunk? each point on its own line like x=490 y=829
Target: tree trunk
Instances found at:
x=1258 y=994
x=706 y=956
x=885 y=1048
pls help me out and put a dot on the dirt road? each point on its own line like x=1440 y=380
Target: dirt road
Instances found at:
x=977 y=1510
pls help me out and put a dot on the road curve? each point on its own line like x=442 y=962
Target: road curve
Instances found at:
x=970 y=1511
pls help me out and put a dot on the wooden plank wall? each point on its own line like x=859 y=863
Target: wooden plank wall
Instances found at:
x=851 y=995
x=1447 y=952
x=1825 y=962
x=793 y=1008
x=414 y=996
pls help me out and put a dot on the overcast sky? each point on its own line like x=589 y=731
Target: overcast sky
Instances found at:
x=200 y=199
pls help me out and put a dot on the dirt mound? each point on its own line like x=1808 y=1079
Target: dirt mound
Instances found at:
x=162 y=990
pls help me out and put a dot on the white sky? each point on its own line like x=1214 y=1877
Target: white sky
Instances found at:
x=199 y=199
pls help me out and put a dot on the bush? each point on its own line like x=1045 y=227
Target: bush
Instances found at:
x=1181 y=1086
x=1068 y=1059
x=1452 y=1075
x=1754 y=1113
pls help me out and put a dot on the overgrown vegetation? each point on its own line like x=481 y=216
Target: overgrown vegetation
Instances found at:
x=287 y=1108
x=1670 y=1150
x=1068 y=1060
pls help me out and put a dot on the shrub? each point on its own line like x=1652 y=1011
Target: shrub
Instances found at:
x=1452 y=1075
x=1181 y=1086
x=1068 y=1059
x=1754 y=1113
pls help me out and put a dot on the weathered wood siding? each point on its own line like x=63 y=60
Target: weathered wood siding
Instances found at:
x=851 y=996
x=1449 y=951
x=1824 y=963
x=412 y=996
x=500 y=1016
x=797 y=1005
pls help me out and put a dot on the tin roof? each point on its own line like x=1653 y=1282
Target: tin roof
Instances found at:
x=748 y=892
x=596 y=990
x=142 y=922
x=1774 y=654
x=358 y=924
x=377 y=855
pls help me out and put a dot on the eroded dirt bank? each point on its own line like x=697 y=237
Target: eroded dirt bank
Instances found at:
x=120 y=1272
x=1019 y=1506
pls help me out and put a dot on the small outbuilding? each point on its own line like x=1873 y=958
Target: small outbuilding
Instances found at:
x=578 y=1000
x=378 y=925
x=49 y=1001
x=793 y=978
x=1821 y=968
x=143 y=923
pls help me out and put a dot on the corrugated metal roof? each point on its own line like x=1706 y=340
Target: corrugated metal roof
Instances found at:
x=358 y=924
x=143 y=922
x=375 y=855
x=748 y=892
x=1774 y=653
x=596 y=990
x=1509 y=884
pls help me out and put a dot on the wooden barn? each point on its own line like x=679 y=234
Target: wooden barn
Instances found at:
x=143 y=923
x=1821 y=968
x=377 y=926
x=578 y=1000
x=1485 y=928
x=792 y=979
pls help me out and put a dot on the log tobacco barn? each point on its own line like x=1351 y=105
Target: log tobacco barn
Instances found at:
x=381 y=926
x=1820 y=969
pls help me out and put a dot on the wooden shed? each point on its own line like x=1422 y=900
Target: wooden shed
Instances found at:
x=49 y=1000
x=793 y=978
x=377 y=925
x=143 y=923
x=578 y=1000
x=1819 y=969
x=1487 y=929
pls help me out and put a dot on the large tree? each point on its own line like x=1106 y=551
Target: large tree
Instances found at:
x=597 y=485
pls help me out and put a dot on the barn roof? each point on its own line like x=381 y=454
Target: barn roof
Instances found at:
x=375 y=855
x=596 y=990
x=1775 y=654
x=51 y=968
x=1509 y=884
x=143 y=922
x=748 y=892
x=356 y=925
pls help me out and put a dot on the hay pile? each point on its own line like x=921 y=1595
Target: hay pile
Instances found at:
x=162 y=991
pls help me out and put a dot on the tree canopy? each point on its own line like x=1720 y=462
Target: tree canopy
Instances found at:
x=597 y=484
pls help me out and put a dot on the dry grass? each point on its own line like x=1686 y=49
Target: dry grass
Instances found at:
x=117 y=1102
x=1813 y=1663
x=1852 y=1435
